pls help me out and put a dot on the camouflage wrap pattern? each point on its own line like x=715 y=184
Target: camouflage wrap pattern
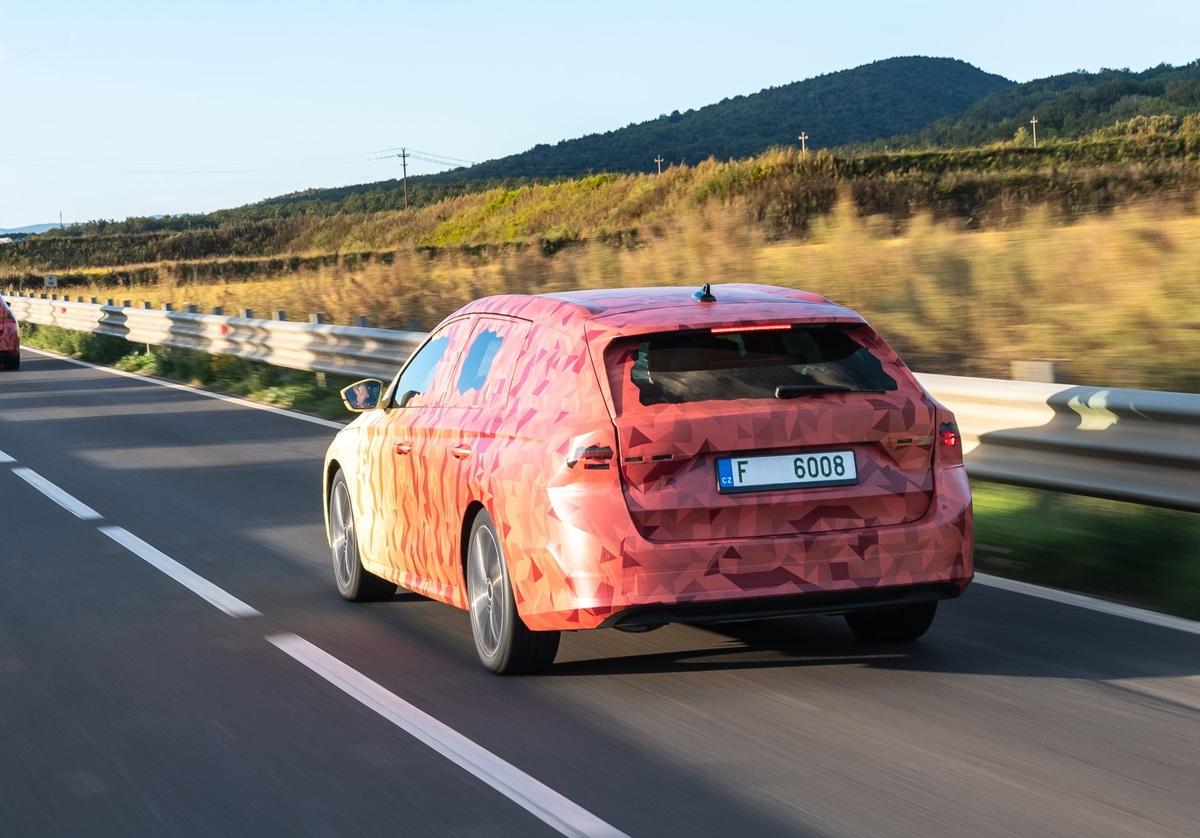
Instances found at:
x=583 y=540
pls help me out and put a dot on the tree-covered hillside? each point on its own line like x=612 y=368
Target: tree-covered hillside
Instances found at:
x=881 y=99
x=1067 y=106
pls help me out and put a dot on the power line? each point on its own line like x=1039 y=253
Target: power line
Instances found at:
x=416 y=151
x=121 y=170
x=125 y=169
x=410 y=153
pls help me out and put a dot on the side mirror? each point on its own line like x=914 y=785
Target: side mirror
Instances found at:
x=408 y=396
x=362 y=395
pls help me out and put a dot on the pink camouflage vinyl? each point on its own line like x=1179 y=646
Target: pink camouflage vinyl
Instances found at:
x=584 y=540
x=10 y=337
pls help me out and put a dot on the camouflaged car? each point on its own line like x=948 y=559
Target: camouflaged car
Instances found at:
x=635 y=457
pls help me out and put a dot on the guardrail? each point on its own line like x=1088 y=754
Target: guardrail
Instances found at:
x=1134 y=445
x=312 y=347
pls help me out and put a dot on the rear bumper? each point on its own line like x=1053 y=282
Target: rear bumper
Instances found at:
x=637 y=583
x=723 y=611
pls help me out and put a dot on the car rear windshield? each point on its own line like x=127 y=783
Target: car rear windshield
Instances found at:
x=764 y=363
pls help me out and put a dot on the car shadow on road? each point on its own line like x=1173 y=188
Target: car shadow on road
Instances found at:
x=995 y=633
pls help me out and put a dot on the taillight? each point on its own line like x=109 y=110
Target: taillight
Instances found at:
x=949 y=435
x=949 y=444
x=592 y=456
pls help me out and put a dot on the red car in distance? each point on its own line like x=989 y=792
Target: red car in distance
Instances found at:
x=10 y=339
x=630 y=458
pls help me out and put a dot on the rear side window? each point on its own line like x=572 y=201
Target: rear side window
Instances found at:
x=479 y=360
x=489 y=363
x=764 y=363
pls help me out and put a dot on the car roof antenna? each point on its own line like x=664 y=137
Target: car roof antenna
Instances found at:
x=704 y=295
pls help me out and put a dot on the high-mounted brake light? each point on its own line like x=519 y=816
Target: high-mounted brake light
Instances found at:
x=768 y=327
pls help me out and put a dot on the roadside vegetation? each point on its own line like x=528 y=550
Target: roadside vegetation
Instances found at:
x=220 y=373
x=1133 y=554
x=1112 y=298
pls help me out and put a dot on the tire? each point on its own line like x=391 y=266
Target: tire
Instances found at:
x=892 y=625
x=504 y=645
x=12 y=363
x=353 y=581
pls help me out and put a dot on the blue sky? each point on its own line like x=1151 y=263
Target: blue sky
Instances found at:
x=125 y=108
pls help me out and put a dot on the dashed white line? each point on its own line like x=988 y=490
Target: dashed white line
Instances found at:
x=1090 y=603
x=530 y=794
x=191 y=580
x=4 y=458
x=68 y=502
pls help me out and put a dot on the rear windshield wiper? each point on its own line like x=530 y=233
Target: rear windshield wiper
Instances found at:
x=790 y=391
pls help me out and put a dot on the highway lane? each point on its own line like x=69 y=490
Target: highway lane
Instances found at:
x=1014 y=715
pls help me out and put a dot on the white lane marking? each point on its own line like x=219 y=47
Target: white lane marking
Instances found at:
x=1091 y=603
x=5 y=458
x=68 y=502
x=191 y=580
x=532 y=795
x=315 y=420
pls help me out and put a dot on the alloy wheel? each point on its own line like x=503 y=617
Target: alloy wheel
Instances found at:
x=343 y=541
x=486 y=587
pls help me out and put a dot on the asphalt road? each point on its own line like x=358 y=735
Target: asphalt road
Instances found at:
x=131 y=706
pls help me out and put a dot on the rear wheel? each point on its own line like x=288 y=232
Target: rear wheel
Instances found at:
x=13 y=363
x=504 y=644
x=353 y=581
x=892 y=624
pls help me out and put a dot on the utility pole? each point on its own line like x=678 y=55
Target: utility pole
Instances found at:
x=403 y=155
x=659 y=161
x=803 y=142
x=1033 y=122
x=60 y=224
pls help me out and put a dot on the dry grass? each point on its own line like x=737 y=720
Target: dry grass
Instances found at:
x=1115 y=298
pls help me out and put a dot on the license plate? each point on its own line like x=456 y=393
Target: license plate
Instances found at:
x=786 y=471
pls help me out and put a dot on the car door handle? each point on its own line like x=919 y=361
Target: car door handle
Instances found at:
x=461 y=451
x=403 y=447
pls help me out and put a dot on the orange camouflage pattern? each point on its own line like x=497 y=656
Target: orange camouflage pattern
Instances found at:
x=584 y=540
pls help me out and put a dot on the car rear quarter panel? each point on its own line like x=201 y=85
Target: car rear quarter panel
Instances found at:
x=544 y=508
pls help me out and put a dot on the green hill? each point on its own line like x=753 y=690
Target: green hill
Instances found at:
x=881 y=99
x=1067 y=106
